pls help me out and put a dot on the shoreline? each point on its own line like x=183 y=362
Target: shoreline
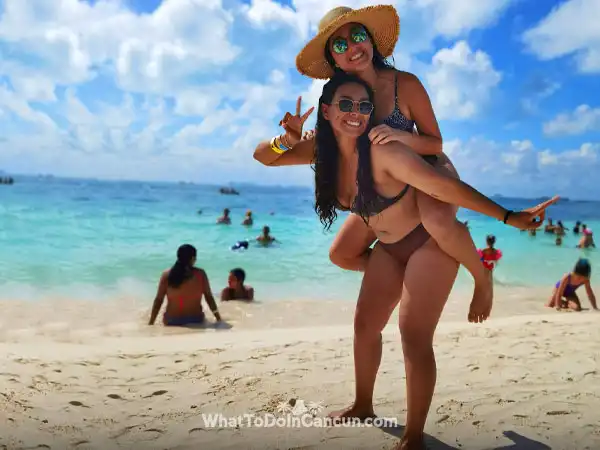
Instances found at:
x=84 y=320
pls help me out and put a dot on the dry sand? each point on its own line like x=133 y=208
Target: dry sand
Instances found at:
x=76 y=375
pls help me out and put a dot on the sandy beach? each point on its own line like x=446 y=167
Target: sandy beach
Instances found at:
x=95 y=376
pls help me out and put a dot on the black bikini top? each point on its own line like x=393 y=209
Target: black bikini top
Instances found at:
x=398 y=121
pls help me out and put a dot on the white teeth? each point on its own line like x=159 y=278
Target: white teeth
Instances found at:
x=352 y=123
x=355 y=57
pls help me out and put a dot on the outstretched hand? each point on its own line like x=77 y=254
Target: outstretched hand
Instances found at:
x=531 y=218
x=292 y=124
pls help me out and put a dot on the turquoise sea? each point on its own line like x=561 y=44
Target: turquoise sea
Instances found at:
x=89 y=239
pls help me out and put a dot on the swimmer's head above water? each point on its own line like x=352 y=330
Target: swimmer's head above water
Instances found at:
x=236 y=278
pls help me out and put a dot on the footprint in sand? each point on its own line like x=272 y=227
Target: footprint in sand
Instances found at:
x=115 y=397
x=443 y=418
x=77 y=403
x=558 y=413
x=156 y=393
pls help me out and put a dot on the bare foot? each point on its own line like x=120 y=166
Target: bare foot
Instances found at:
x=483 y=297
x=352 y=413
x=406 y=444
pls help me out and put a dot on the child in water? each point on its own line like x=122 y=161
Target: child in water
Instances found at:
x=564 y=295
x=490 y=255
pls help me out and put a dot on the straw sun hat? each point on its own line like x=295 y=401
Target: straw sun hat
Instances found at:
x=383 y=24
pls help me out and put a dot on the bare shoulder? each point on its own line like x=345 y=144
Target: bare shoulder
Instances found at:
x=408 y=79
x=199 y=272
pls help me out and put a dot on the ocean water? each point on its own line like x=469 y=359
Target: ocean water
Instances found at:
x=96 y=240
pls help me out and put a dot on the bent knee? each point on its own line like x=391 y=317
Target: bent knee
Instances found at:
x=343 y=259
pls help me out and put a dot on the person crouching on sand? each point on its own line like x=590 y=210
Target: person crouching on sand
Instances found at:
x=184 y=285
x=564 y=295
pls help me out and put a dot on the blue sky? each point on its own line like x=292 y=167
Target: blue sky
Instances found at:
x=184 y=89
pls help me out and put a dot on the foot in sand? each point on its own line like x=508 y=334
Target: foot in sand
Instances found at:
x=353 y=412
x=410 y=444
x=483 y=297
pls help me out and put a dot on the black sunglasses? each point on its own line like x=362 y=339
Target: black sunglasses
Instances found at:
x=346 y=105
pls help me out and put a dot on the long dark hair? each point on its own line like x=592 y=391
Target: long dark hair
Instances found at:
x=182 y=269
x=379 y=61
x=326 y=162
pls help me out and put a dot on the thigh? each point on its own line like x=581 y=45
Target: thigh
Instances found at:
x=428 y=279
x=430 y=205
x=353 y=238
x=380 y=290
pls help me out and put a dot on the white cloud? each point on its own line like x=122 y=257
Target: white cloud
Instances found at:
x=569 y=29
x=11 y=102
x=453 y=18
x=148 y=52
x=460 y=81
x=520 y=169
x=583 y=119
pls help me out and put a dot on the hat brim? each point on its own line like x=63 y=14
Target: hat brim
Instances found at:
x=383 y=24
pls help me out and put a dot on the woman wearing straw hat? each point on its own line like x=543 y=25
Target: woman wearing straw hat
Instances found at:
x=357 y=42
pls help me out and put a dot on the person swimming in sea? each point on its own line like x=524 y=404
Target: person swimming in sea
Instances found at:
x=248 y=219
x=224 y=219
x=240 y=245
x=265 y=237
x=184 y=285
x=564 y=295
x=236 y=289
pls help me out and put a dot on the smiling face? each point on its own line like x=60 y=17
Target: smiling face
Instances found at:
x=351 y=48
x=350 y=110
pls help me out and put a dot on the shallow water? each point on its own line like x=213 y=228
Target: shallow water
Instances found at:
x=86 y=239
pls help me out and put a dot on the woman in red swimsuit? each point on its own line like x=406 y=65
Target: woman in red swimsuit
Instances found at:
x=184 y=285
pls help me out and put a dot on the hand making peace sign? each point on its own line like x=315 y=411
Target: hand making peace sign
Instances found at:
x=293 y=124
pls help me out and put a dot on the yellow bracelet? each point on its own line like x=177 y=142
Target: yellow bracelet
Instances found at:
x=280 y=144
x=277 y=147
x=274 y=147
